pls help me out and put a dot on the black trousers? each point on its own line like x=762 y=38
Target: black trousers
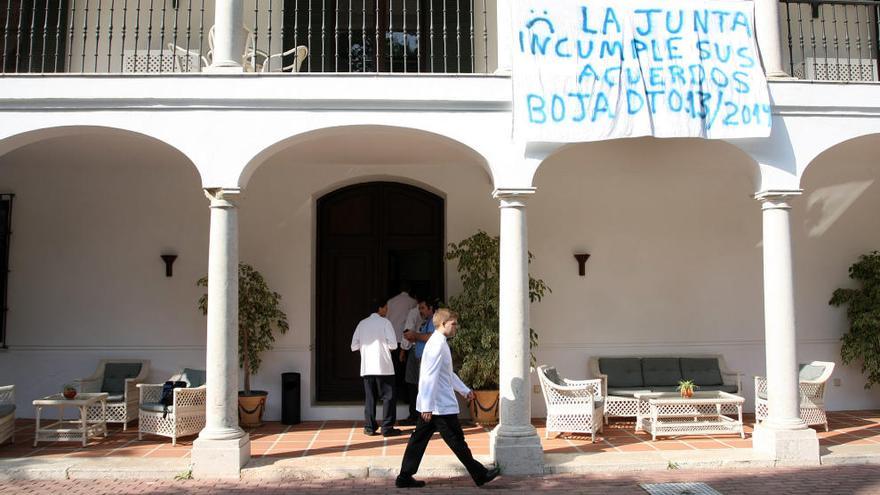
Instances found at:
x=399 y=374
x=450 y=431
x=384 y=385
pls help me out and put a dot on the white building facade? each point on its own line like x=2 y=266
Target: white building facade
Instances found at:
x=696 y=246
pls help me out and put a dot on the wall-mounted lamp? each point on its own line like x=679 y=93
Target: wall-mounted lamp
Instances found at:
x=169 y=261
x=582 y=263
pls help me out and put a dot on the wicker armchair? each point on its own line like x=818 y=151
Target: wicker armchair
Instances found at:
x=119 y=379
x=184 y=417
x=811 y=381
x=7 y=413
x=573 y=406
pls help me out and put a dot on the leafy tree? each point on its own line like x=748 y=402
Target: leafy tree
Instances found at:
x=862 y=341
x=476 y=344
x=259 y=315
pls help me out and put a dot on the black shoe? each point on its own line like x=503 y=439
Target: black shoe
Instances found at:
x=490 y=475
x=370 y=433
x=392 y=432
x=408 y=422
x=408 y=483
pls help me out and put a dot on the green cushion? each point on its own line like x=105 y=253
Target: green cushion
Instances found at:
x=622 y=372
x=661 y=372
x=195 y=378
x=115 y=375
x=155 y=407
x=6 y=410
x=810 y=372
x=703 y=371
x=553 y=375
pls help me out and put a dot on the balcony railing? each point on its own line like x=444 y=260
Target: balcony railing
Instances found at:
x=170 y=36
x=831 y=40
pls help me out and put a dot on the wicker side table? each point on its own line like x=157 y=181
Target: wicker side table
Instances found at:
x=669 y=414
x=77 y=430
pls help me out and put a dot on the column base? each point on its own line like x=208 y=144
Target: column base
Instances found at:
x=788 y=446
x=220 y=458
x=518 y=454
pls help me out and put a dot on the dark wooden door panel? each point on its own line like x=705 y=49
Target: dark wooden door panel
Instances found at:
x=371 y=237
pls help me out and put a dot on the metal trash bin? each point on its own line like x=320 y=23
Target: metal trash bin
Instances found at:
x=290 y=394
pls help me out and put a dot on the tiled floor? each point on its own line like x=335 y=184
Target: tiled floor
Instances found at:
x=345 y=439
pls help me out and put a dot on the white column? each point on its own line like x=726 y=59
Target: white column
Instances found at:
x=769 y=37
x=222 y=447
x=784 y=435
x=504 y=36
x=515 y=443
x=228 y=36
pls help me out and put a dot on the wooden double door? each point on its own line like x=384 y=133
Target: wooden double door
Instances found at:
x=371 y=238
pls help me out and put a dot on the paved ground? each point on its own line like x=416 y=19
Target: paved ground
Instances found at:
x=336 y=439
x=778 y=481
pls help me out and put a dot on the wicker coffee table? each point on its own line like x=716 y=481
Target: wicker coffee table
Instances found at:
x=78 y=430
x=669 y=414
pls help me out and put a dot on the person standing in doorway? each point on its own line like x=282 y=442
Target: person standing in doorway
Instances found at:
x=414 y=322
x=418 y=337
x=399 y=307
x=375 y=339
x=439 y=408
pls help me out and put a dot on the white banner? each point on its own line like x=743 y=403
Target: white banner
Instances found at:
x=588 y=70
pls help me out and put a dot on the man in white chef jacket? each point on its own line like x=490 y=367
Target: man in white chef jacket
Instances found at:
x=439 y=408
x=375 y=339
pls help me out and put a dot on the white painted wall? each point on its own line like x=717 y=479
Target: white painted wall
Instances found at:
x=675 y=244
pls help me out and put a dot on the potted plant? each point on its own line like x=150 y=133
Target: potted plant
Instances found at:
x=475 y=347
x=686 y=388
x=861 y=343
x=69 y=391
x=259 y=316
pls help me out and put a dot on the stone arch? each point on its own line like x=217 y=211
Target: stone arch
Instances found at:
x=368 y=144
x=24 y=138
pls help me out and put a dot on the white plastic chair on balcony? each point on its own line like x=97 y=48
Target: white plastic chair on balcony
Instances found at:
x=811 y=381
x=187 y=60
x=186 y=414
x=573 y=406
x=119 y=379
x=7 y=413
x=301 y=52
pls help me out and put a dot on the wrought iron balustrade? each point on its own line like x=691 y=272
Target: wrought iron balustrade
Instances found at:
x=831 y=40
x=170 y=36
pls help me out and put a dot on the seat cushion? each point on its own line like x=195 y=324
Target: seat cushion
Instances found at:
x=115 y=375
x=6 y=410
x=661 y=372
x=703 y=371
x=155 y=407
x=194 y=378
x=810 y=372
x=622 y=372
x=115 y=397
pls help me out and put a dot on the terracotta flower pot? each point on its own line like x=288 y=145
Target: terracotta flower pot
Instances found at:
x=69 y=393
x=250 y=408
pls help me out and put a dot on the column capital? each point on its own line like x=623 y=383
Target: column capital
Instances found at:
x=513 y=197
x=777 y=198
x=221 y=197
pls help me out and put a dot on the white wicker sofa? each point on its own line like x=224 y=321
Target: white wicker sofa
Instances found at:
x=119 y=379
x=7 y=413
x=624 y=376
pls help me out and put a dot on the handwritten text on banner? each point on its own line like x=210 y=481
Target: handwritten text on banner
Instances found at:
x=601 y=69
